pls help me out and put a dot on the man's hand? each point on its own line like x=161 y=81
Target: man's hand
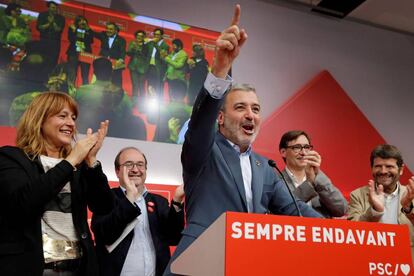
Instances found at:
x=50 y=19
x=376 y=197
x=313 y=161
x=179 y=194
x=163 y=53
x=228 y=46
x=191 y=62
x=408 y=197
x=174 y=128
x=132 y=192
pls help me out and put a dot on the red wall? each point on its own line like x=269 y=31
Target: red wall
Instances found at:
x=340 y=132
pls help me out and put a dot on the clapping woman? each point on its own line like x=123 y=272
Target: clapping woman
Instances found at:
x=46 y=184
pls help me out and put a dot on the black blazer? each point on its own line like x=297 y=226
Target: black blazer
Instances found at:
x=165 y=225
x=24 y=192
x=87 y=40
x=118 y=49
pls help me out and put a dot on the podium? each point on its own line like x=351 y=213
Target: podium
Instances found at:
x=255 y=244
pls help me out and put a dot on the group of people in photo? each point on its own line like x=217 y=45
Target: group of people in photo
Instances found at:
x=50 y=178
x=164 y=78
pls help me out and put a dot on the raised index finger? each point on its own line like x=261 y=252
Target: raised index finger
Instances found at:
x=236 y=17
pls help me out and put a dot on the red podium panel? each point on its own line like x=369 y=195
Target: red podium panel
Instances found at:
x=253 y=244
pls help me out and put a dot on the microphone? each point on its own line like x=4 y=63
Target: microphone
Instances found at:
x=272 y=164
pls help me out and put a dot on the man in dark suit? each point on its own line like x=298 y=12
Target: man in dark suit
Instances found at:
x=220 y=171
x=134 y=238
x=50 y=25
x=113 y=46
x=158 y=50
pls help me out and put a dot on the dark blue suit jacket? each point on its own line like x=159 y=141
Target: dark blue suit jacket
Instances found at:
x=118 y=49
x=165 y=225
x=213 y=179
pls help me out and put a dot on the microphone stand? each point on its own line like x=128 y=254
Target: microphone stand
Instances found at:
x=272 y=164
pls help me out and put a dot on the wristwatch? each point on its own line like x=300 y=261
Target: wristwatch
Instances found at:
x=408 y=210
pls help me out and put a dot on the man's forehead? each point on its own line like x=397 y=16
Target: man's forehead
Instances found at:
x=378 y=160
x=241 y=96
x=131 y=155
x=299 y=138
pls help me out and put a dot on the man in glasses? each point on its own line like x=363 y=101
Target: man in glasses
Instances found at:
x=134 y=238
x=305 y=178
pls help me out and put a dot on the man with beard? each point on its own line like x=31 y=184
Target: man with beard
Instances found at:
x=384 y=199
x=134 y=238
x=220 y=171
x=305 y=178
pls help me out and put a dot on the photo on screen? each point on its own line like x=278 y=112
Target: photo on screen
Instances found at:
x=141 y=73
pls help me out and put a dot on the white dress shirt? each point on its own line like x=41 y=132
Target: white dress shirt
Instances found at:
x=140 y=259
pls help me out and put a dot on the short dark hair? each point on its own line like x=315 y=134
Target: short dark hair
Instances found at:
x=386 y=152
x=78 y=18
x=113 y=23
x=160 y=30
x=178 y=43
x=138 y=32
x=102 y=68
x=11 y=7
x=178 y=89
x=48 y=3
x=198 y=50
x=290 y=136
x=118 y=156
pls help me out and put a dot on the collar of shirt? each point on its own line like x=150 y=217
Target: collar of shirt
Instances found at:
x=111 y=40
x=159 y=42
x=393 y=194
x=237 y=148
x=246 y=171
x=292 y=176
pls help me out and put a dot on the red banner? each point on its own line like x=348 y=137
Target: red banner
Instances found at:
x=283 y=245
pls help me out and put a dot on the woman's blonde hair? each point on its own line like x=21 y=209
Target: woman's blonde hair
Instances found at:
x=29 y=129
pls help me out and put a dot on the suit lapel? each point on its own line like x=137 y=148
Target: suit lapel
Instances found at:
x=233 y=162
x=289 y=180
x=257 y=181
x=113 y=42
x=118 y=192
x=151 y=206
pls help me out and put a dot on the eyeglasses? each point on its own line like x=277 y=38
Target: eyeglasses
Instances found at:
x=130 y=165
x=298 y=147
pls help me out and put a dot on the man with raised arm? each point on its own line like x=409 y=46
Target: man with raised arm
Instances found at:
x=221 y=172
x=134 y=238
